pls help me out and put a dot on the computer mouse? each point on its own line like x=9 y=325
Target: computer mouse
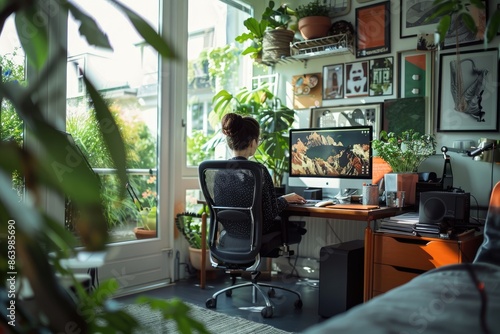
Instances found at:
x=324 y=203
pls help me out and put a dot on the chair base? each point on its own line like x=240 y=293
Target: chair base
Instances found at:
x=267 y=311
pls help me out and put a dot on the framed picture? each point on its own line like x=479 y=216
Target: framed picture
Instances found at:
x=348 y=115
x=333 y=82
x=465 y=36
x=413 y=15
x=373 y=30
x=404 y=114
x=356 y=79
x=468 y=92
x=339 y=7
x=307 y=90
x=381 y=76
x=415 y=70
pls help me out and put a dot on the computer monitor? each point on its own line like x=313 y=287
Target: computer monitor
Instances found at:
x=334 y=157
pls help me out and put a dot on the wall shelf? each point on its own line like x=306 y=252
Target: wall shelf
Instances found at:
x=322 y=47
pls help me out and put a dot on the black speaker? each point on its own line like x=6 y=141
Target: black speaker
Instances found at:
x=444 y=207
x=341 y=272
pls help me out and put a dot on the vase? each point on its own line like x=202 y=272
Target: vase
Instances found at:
x=312 y=27
x=142 y=233
x=406 y=182
x=195 y=259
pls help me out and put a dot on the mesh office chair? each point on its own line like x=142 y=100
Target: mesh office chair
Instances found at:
x=233 y=192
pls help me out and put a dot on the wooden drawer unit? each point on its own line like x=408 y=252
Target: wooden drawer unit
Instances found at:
x=399 y=258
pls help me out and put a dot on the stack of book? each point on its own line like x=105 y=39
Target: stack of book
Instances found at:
x=401 y=224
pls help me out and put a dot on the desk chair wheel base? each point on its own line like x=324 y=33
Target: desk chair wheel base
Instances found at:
x=211 y=303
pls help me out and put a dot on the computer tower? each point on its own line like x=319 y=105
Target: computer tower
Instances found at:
x=341 y=272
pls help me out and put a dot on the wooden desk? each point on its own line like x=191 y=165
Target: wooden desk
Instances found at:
x=349 y=214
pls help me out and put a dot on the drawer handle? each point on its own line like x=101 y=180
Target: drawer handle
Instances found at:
x=409 y=270
x=412 y=241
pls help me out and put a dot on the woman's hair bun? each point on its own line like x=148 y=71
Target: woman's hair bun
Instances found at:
x=231 y=124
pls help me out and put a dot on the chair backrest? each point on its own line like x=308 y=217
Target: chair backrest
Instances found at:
x=233 y=192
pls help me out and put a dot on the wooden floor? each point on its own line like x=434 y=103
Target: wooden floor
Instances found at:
x=285 y=316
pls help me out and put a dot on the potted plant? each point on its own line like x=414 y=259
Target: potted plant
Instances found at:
x=146 y=226
x=275 y=120
x=404 y=153
x=313 y=19
x=271 y=36
x=190 y=224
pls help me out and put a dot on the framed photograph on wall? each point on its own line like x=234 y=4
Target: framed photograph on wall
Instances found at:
x=468 y=92
x=413 y=14
x=373 y=30
x=348 y=115
x=307 y=90
x=381 y=76
x=415 y=70
x=406 y=113
x=333 y=82
x=356 y=79
x=465 y=36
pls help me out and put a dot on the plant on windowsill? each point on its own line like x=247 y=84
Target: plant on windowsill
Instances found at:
x=313 y=19
x=146 y=226
x=404 y=152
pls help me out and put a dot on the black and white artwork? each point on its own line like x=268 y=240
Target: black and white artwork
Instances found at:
x=458 y=33
x=413 y=17
x=356 y=79
x=468 y=98
x=381 y=76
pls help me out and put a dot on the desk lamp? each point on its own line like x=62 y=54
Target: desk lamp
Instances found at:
x=487 y=151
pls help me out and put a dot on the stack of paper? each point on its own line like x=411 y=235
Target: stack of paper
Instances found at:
x=403 y=224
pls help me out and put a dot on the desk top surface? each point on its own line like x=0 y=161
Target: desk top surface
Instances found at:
x=342 y=213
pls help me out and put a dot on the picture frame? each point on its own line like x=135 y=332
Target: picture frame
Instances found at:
x=415 y=70
x=339 y=7
x=373 y=30
x=479 y=108
x=381 y=76
x=403 y=114
x=466 y=37
x=333 y=82
x=413 y=14
x=356 y=79
x=348 y=115
x=307 y=90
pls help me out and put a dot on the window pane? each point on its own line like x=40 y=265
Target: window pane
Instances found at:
x=213 y=64
x=12 y=68
x=127 y=77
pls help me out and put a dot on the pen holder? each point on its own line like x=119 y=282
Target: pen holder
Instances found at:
x=370 y=194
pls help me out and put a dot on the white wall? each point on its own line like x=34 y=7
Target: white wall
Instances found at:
x=473 y=177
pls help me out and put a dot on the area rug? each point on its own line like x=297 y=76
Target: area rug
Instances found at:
x=215 y=322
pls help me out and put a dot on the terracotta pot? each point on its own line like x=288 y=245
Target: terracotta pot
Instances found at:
x=402 y=181
x=311 y=27
x=195 y=259
x=141 y=233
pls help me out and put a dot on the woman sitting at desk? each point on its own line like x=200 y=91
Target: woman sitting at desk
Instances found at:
x=242 y=137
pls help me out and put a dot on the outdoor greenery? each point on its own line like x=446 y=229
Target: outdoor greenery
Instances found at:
x=46 y=168
x=404 y=152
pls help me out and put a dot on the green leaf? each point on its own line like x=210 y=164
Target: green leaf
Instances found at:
x=89 y=28
x=442 y=27
x=33 y=35
x=146 y=31
x=493 y=26
x=110 y=133
x=469 y=22
x=441 y=10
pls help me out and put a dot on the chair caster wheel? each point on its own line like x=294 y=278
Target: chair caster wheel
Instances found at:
x=229 y=293
x=298 y=304
x=271 y=292
x=211 y=303
x=267 y=312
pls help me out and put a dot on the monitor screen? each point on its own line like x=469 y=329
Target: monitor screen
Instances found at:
x=339 y=157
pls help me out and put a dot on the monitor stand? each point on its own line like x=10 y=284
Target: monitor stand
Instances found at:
x=343 y=197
